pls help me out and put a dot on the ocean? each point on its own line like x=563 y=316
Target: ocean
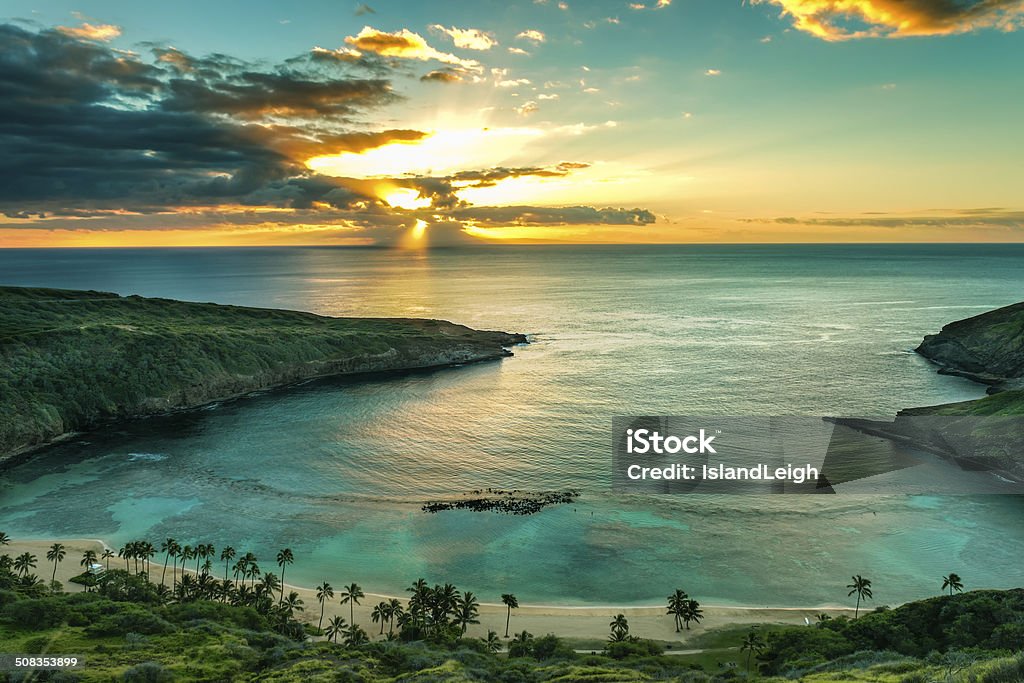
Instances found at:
x=335 y=469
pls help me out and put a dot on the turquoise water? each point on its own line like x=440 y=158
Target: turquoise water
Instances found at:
x=334 y=469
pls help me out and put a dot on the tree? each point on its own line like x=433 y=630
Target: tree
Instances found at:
x=521 y=644
x=324 y=592
x=675 y=606
x=511 y=602
x=862 y=587
x=492 y=642
x=620 y=629
x=752 y=645
x=167 y=548
x=336 y=627
x=284 y=558
x=356 y=636
x=56 y=554
x=106 y=555
x=227 y=555
x=395 y=611
x=351 y=596
x=691 y=611
x=466 y=610
x=953 y=583
x=88 y=559
x=24 y=562
x=4 y=539
x=293 y=603
x=380 y=613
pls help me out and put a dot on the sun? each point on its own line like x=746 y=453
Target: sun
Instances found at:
x=406 y=198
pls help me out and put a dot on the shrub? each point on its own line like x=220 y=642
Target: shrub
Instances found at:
x=148 y=672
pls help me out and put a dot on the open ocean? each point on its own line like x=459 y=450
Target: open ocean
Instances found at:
x=333 y=469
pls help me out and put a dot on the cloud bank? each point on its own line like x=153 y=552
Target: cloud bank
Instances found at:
x=836 y=20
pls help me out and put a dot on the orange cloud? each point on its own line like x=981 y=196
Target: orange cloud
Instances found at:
x=101 y=32
x=404 y=44
x=829 y=19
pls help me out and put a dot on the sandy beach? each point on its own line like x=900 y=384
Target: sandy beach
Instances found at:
x=580 y=622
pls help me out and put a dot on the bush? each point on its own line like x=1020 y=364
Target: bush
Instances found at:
x=35 y=614
x=148 y=672
x=1005 y=671
x=131 y=620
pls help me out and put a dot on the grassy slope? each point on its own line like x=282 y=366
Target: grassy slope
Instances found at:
x=69 y=359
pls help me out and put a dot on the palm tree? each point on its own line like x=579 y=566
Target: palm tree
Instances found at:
x=675 y=606
x=620 y=628
x=24 y=562
x=511 y=602
x=352 y=595
x=324 y=592
x=691 y=611
x=88 y=558
x=953 y=583
x=356 y=636
x=56 y=554
x=492 y=641
x=227 y=555
x=124 y=552
x=4 y=539
x=147 y=552
x=335 y=627
x=752 y=645
x=186 y=554
x=395 y=611
x=467 y=610
x=284 y=558
x=166 y=547
x=380 y=613
x=862 y=587
x=106 y=555
x=293 y=603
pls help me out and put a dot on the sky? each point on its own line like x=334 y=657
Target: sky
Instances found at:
x=419 y=124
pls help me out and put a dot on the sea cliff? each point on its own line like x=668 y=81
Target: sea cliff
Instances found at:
x=988 y=348
x=984 y=434
x=71 y=360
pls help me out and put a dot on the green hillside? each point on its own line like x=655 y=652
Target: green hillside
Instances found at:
x=70 y=359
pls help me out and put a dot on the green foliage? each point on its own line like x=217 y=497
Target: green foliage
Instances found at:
x=70 y=360
x=988 y=621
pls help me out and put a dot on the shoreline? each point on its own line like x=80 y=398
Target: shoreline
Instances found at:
x=18 y=455
x=578 y=622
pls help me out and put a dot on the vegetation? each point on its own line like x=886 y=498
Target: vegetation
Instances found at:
x=202 y=628
x=70 y=359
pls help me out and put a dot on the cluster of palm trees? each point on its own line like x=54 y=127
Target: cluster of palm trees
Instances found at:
x=620 y=630
x=684 y=609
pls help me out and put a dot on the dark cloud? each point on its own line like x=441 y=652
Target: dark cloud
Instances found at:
x=568 y=215
x=83 y=126
x=97 y=138
x=964 y=218
x=849 y=19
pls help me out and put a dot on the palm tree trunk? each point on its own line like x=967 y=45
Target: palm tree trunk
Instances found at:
x=54 y=577
x=281 y=599
x=320 y=626
x=163 y=574
x=508 y=616
x=857 y=610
